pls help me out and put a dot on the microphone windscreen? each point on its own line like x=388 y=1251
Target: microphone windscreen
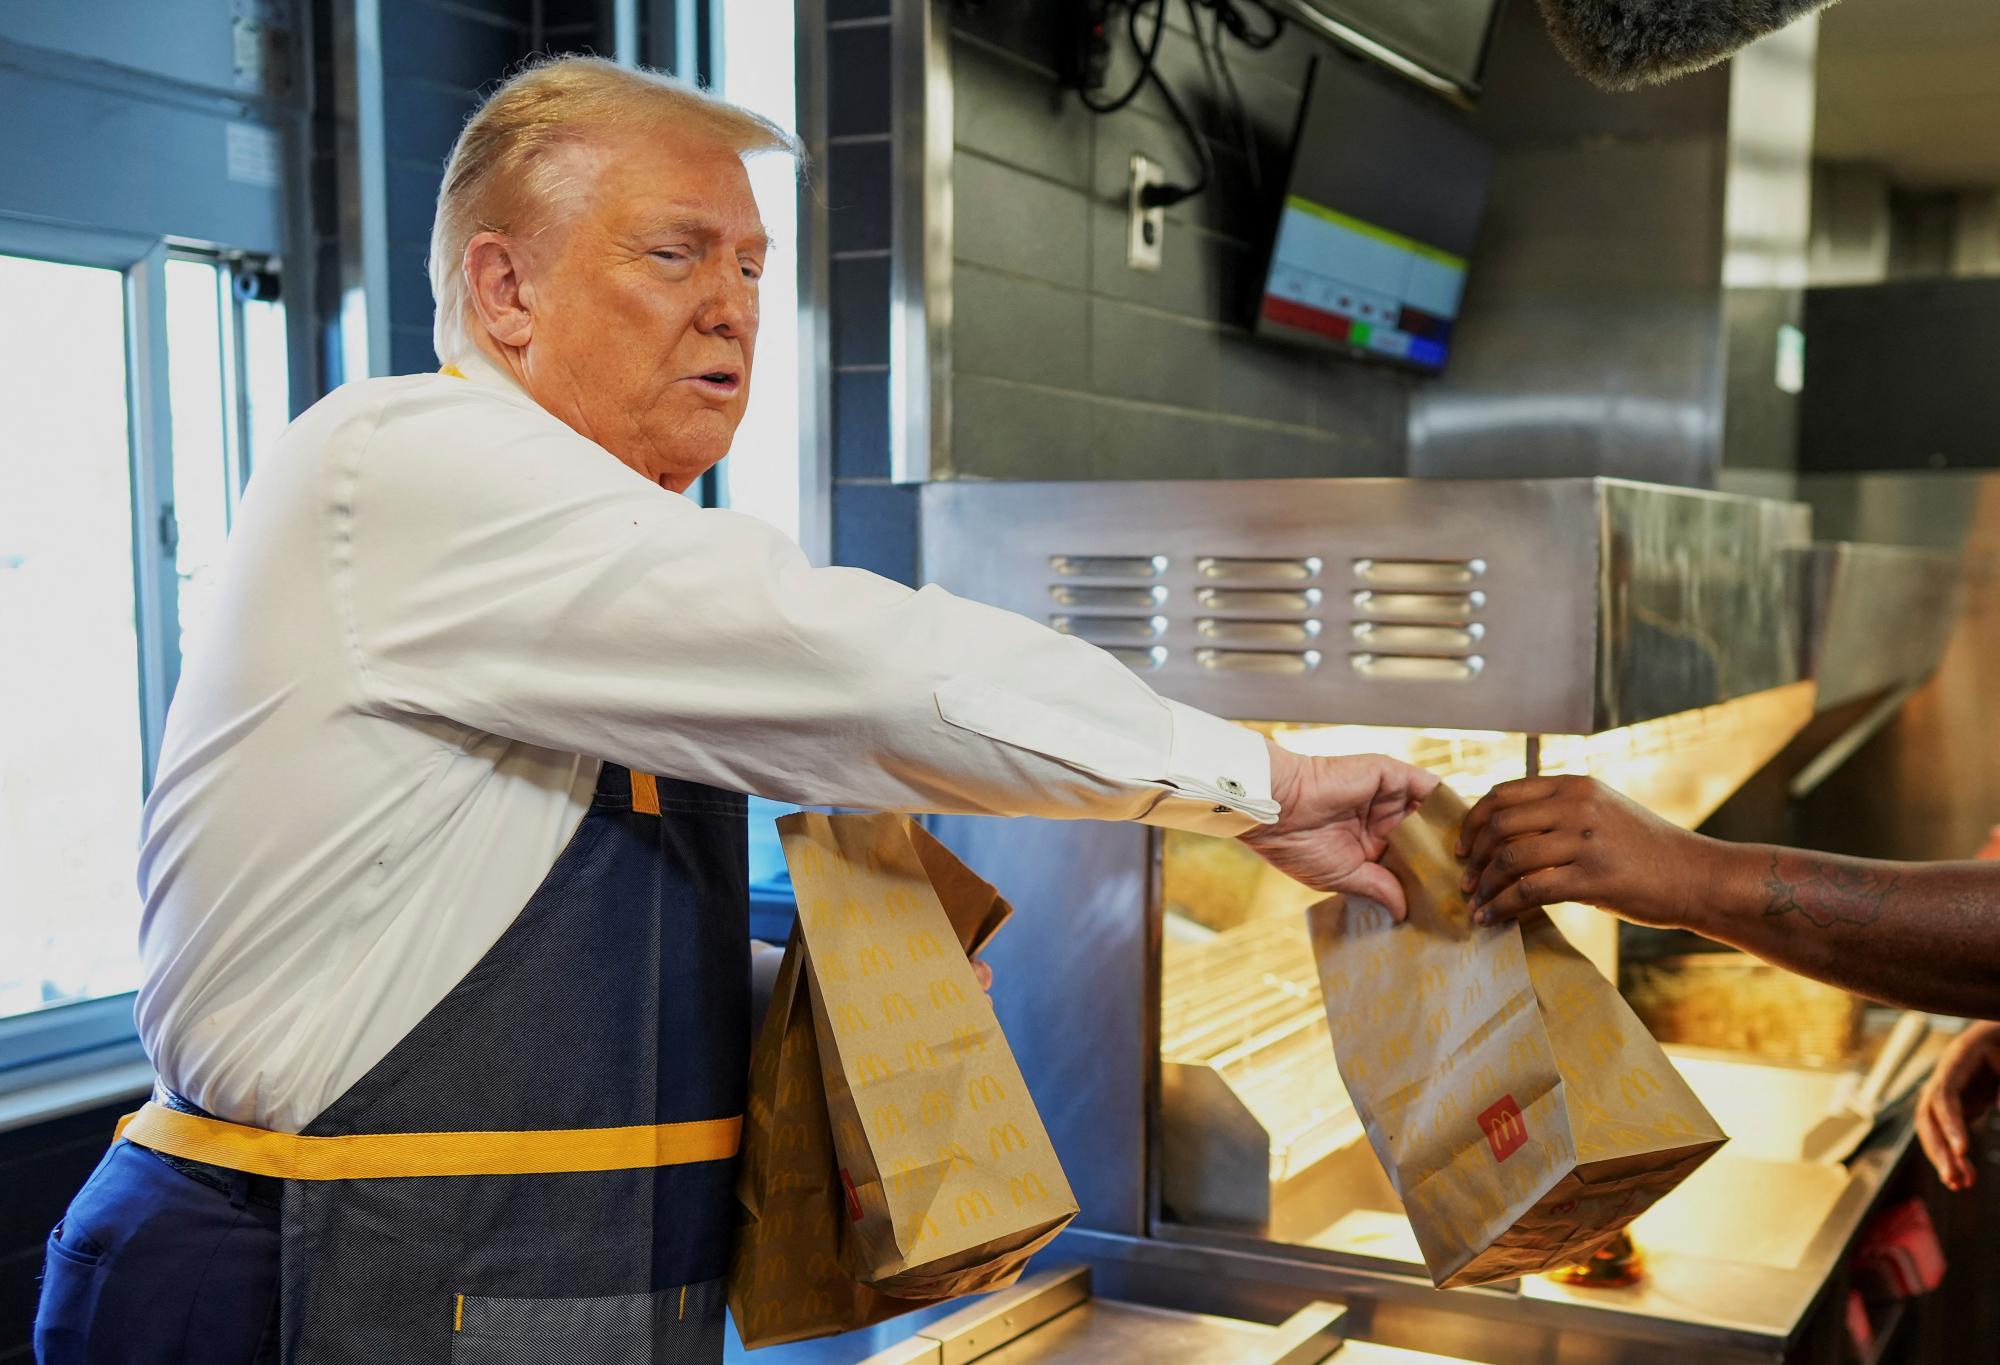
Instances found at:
x=1623 y=44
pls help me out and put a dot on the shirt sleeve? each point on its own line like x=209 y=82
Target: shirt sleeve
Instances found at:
x=500 y=572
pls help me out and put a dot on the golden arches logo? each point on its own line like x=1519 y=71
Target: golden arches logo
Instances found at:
x=780 y=1224
x=790 y=1137
x=1522 y=1053
x=1395 y=1048
x=936 y=1108
x=967 y=1040
x=903 y=1175
x=1005 y=1137
x=923 y=945
x=792 y=1090
x=1604 y=1044
x=1333 y=984
x=873 y=960
x=855 y=913
x=955 y=1158
x=829 y=966
x=816 y=912
x=821 y=1266
x=806 y=856
x=899 y=901
x=1380 y=1008
x=1437 y=1025
x=870 y=1068
x=1026 y=1189
x=926 y=1230
x=973 y=1207
x=889 y=1121
x=785 y=1181
x=984 y=1090
x=945 y=991
x=774 y=1270
x=1446 y=1109
x=1474 y=992
x=1340 y=1026
x=919 y=1055
x=895 y=1006
x=1483 y=1080
x=851 y=1018
x=818 y=1303
x=1636 y=1084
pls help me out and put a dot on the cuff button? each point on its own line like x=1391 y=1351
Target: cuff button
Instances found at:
x=1231 y=785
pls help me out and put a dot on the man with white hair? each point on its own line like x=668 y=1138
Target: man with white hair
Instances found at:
x=446 y=962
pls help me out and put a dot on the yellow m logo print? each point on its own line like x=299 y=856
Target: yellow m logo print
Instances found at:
x=984 y=1090
x=1027 y=1189
x=919 y=1055
x=855 y=913
x=1636 y=1084
x=923 y=945
x=896 y=1005
x=954 y=1156
x=1430 y=979
x=1005 y=1137
x=936 y=1108
x=945 y=991
x=851 y=1019
x=873 y=960
x=889 y=1122
x=973 y=1207
x=904 y=1175
x=1395 y=1049
x=870 y=1069
x=1437 y=1025
x=967 y=1040
x=926 y=1229
x=899 y=902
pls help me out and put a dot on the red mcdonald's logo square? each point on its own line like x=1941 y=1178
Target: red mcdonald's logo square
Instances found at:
x=1506 y=1131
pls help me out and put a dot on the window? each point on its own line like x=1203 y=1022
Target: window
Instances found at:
x=762 y=474
x=136 y=395
x=69 y=792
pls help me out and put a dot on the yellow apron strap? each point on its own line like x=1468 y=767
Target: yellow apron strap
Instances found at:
x=376 y=1156
x=645 y=793
x=451 y=370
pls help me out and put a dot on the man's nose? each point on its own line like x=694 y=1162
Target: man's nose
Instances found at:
x=729 y=305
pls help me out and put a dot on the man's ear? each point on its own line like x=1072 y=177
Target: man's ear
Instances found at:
x=496 y=278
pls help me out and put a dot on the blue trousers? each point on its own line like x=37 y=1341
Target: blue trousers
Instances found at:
x=152 y=1267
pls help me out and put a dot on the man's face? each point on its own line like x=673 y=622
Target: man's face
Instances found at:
x=644 y=304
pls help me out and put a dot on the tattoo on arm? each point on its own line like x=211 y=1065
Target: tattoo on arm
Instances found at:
x=1826 y=890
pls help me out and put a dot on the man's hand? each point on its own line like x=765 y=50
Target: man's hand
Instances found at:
x=982 y=972
x=1959 y=1091
x=1549 y=840
x=1334 y=819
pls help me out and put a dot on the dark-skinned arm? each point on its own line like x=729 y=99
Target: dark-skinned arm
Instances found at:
x=1922 y=935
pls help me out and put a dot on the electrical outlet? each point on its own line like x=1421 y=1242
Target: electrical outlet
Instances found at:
x=1148 y=226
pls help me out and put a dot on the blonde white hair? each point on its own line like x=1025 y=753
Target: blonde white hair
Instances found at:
x=505 y=173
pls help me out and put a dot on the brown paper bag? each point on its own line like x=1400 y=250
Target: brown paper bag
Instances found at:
x=1517 y=1104
x=891 y=1155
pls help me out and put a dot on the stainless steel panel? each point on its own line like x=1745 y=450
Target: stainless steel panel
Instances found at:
x=1072 y=991
x=1226 y=630
x=990 y=1321
x=1877 y=616
x=1597 y=602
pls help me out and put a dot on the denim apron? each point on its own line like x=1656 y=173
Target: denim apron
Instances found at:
x=617 y=1002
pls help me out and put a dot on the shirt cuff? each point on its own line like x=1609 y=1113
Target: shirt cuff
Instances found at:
x=1219 y=773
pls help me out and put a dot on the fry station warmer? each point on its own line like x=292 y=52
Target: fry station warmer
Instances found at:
x=1160 y=990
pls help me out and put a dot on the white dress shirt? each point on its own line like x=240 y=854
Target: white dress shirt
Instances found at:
x=441 y=609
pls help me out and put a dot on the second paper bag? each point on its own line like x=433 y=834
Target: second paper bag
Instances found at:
x=1519 y=1107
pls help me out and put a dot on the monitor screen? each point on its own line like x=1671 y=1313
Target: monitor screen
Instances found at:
x=1377 y=228
x=1442 y=40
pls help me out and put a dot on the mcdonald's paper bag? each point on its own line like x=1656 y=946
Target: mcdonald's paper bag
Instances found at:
x=1517 y=1104
x=892 y=1156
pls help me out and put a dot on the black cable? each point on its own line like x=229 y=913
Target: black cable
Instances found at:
x=1146 y=53
x=1166 y=196
x=1243 y=132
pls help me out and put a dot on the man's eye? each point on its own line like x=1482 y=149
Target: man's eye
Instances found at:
x=752 y=270
x=673 y=254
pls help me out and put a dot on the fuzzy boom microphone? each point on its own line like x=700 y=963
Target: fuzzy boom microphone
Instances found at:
x=1624 y=44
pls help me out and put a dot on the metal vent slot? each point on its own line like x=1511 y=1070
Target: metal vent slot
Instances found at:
x=1419 y=573
x=1418 y=639
x=1254 y=599
x=1258 y=570
x=1126 y=599
x=1112 y=630
x=1227 y=631
x=1140 y=660
x=1415 y=668
x=1109 y=566
x=1257 y=660
x=1418 y=606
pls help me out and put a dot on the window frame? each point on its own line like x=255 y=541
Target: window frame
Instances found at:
x=49 y=1046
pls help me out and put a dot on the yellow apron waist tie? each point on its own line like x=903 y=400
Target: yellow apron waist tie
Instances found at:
x=378 y=1156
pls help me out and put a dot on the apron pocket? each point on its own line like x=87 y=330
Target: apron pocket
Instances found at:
x=69 y=1297
x=679 y=1326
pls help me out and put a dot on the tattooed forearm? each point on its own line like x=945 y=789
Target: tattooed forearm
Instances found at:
x=1826 y=890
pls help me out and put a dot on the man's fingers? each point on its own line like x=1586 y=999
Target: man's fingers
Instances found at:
x=1502 y=797
x=1933 y=1145
x=1515 y=822
x=1550 y=886
x=983 y=973
x=1377 y=883
x=1522 y=857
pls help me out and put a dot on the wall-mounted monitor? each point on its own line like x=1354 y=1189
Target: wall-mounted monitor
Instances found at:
x=1381 y=210
x=1439 y=43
